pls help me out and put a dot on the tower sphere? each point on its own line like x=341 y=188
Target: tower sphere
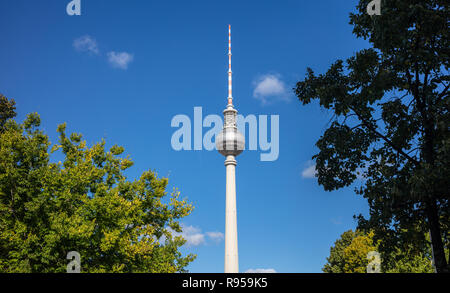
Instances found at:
x=230 y=141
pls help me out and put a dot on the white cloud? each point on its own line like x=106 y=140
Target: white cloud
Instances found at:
x=215 y=236
x=116 y=59
x=194 y=235
x=310 y=171
x=264 y=271
x=337 y=221
x=270 y=88
x=86 y=44
x=120 y=59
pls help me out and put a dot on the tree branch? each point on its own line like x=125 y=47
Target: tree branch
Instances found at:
x=387 y=140
x=441 y=95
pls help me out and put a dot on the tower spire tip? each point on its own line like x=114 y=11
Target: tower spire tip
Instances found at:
x=230 y=97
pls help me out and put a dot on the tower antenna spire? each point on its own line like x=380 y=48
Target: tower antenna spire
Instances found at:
x=230 y=96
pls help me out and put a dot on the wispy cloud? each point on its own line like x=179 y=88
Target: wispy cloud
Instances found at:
x=264 y=271
x=215 y=236
x=310 y=170
x=336 y=221
x=120 y=59
x=194 y=235
x=86 y=44
x=270 y=88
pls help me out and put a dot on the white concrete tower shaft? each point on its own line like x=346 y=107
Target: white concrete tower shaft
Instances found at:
x=231 y=240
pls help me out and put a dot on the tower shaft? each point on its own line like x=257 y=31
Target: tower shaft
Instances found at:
x=231 y=241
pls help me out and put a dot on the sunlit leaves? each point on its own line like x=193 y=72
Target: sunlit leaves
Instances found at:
x=86 y=204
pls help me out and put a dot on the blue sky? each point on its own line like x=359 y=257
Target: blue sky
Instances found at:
x=123 y=69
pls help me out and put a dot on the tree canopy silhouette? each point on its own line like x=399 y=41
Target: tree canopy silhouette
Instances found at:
x=391 y=123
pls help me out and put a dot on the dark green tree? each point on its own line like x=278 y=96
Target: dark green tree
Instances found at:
x=84 y=203
x=390 y=124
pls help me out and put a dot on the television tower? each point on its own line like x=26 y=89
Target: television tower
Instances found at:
x=230 y=143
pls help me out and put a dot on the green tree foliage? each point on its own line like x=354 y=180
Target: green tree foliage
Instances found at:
x=84 y=204
x=409 y=262
x=391 y=124
x=349 y=255
x=7 y=110
x=356 y=253
x=336 y=260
